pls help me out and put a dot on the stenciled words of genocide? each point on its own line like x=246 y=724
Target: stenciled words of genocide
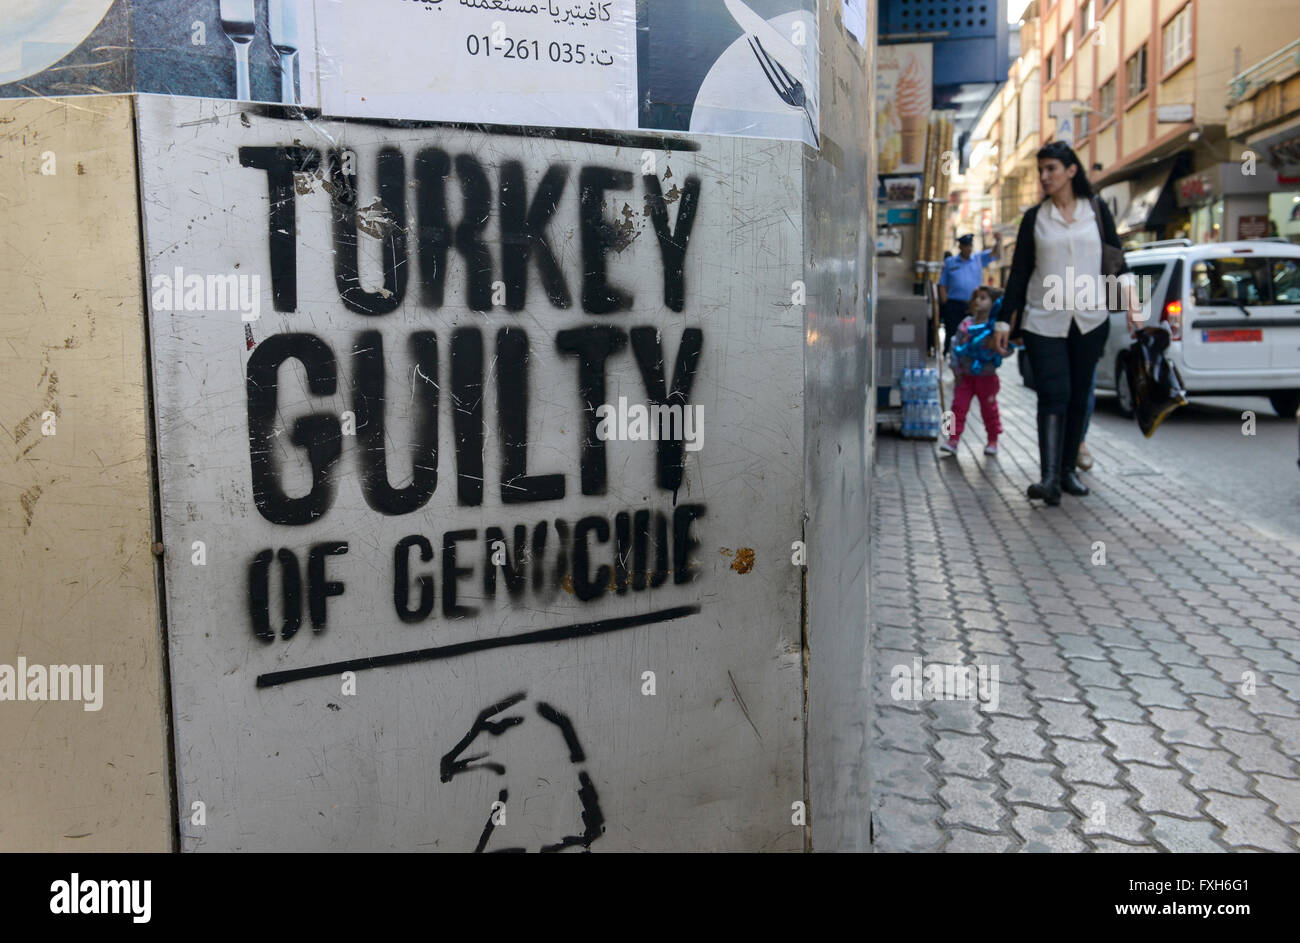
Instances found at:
x=631 y=550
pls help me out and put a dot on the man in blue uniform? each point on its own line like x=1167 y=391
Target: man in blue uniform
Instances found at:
x=961 y=275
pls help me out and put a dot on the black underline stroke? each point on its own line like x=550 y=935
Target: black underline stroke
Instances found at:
x=648 y=139
x=581 y=630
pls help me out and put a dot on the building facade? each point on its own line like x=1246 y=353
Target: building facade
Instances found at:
x=1264 y=115
x=1142 y=89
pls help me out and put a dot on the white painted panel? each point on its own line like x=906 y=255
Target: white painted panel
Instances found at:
x=714 y=759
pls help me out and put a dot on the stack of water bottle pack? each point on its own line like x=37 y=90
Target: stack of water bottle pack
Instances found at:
x=922 y=414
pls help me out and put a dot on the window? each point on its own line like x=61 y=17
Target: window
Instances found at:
x=1137 y=73
x=1148 y=279
x=1232 y=281
x=1286 y=281
x=1069 y=45
x=1178 y=38
x=1107 y=100
x=1083 y=122
x=1029 y=104
x=1051 y=65
x=1087 y=19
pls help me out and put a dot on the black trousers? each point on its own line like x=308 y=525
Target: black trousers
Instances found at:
x=951 y=313
x=1063 y=369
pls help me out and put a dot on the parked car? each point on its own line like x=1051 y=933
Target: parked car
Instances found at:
x=1233 y=312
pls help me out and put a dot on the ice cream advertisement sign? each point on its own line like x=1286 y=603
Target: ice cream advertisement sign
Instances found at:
x=904 y=92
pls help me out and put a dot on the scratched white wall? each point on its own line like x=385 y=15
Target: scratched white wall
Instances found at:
x=839 y=245
x=715 y=759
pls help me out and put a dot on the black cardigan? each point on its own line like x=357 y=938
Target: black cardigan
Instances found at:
x=1024 y=259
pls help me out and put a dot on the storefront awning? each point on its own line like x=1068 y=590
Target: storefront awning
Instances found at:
x=1151 y=202
x=1281 y=144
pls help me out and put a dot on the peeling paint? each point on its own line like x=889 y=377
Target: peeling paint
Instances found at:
x=743 y=560
x=375 y=219
x=625 y=229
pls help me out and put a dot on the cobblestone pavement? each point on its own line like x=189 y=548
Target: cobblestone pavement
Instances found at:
x=1146 y=703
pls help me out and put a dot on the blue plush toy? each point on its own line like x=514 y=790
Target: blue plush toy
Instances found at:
x=974 y=349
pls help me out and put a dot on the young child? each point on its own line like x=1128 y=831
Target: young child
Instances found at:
x=976 y=376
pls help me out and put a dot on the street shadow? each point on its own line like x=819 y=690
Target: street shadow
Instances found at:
x=1200 y=411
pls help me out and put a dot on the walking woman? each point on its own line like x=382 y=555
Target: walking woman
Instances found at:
x=1057 y=299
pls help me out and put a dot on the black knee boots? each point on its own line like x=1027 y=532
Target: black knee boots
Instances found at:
x=1070 y=482
x=1051 y=430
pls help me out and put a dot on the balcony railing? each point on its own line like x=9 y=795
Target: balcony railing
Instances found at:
x=1276 y=66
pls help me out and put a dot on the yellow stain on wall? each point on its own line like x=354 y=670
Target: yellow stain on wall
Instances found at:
x=76 y=568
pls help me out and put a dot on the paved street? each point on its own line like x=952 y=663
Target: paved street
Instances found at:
x=1202 y=447
x=1146 y=703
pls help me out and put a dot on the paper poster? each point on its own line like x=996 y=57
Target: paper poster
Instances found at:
x=249 y=50
x=854 y=13
x=730 y=67
x=899 y=189
x=88 y=41
x=904 y=92
x=710 y=66
x=550 y=63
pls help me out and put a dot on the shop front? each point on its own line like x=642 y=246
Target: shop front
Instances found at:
x=1234 y=200
x=1280 y=148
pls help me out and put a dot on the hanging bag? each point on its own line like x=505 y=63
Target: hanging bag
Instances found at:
x=1112 y=258
x=1154 y=381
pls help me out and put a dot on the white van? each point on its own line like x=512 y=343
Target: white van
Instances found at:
x=1233 y=313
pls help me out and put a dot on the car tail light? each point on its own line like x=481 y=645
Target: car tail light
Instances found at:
x=1172 y=312
x=1173 y=316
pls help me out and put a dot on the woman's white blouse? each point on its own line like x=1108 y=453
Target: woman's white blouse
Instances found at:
x=1066 y=283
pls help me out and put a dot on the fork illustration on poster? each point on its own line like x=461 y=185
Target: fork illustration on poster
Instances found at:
x=755 y=74
x=239 y=22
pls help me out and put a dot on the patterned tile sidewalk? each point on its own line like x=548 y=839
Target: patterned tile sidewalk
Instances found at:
x=1147 y=646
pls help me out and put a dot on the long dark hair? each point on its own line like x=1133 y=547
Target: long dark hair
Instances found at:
x=1059 y=150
